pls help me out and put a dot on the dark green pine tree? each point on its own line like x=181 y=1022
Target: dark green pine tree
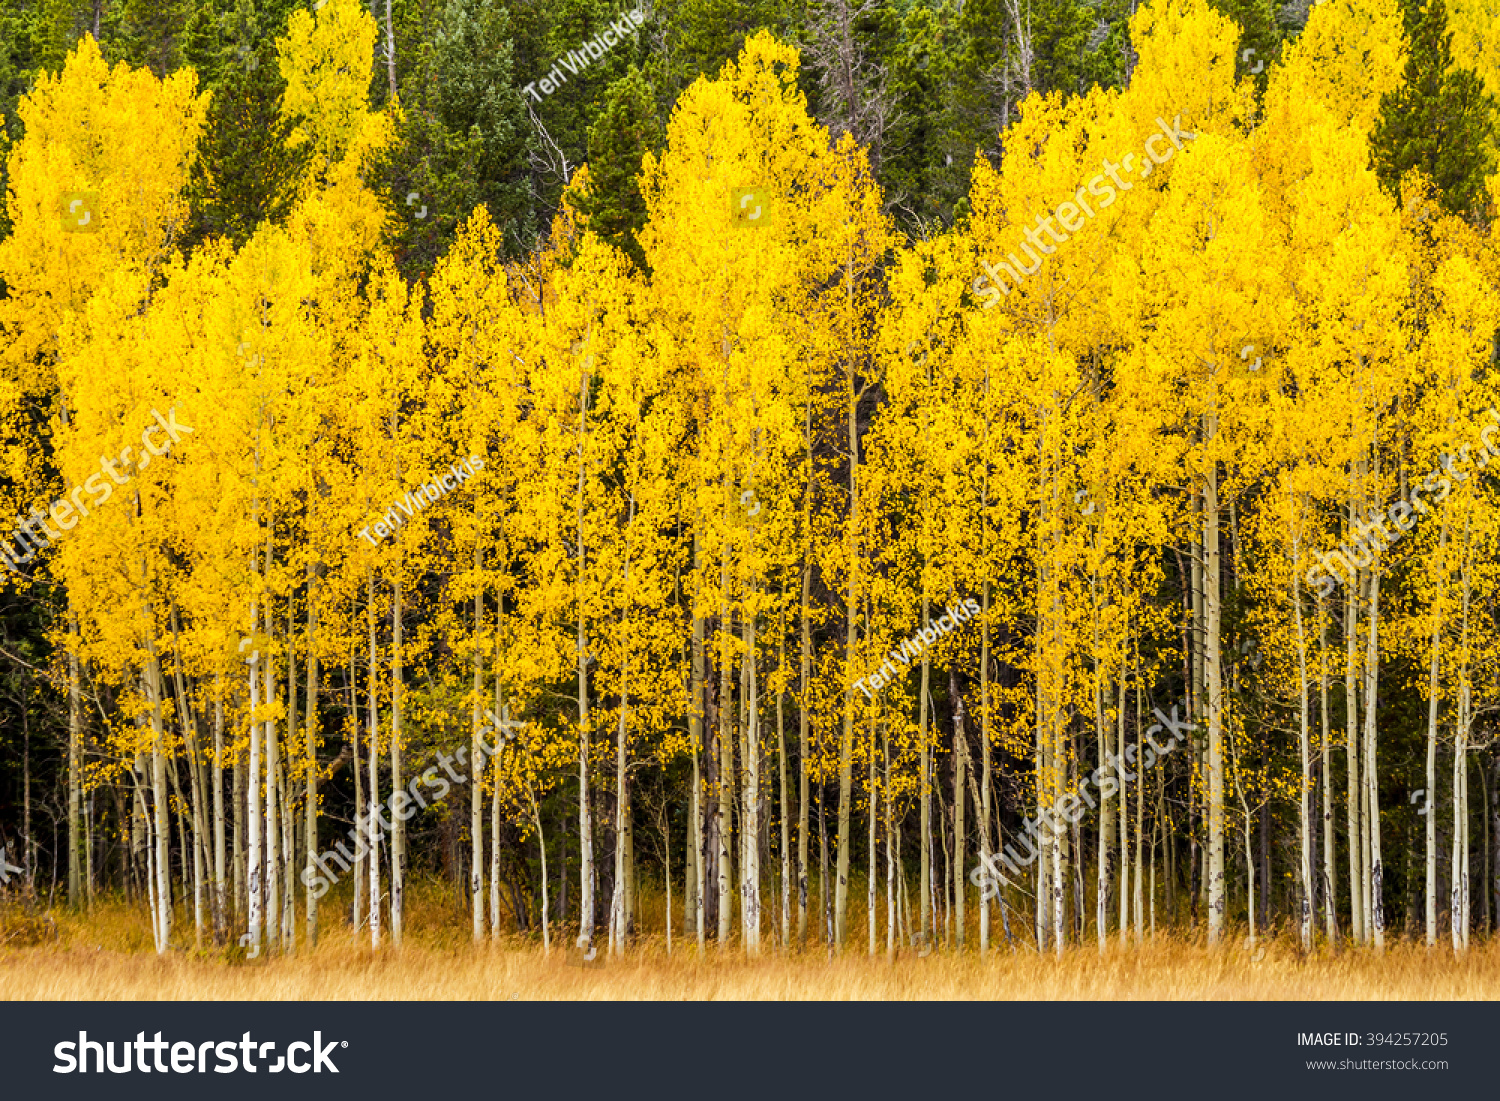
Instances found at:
x=18 y=28
x=1259 y=33
x=246 y=174
x=203 y=42
x=1439 y=120
x=461 y=141
x=150 y=33
x=699 y=36
x=918 y=174
x=59 y=25
x=573 y=105
x=1061 y=58
x=626 y=130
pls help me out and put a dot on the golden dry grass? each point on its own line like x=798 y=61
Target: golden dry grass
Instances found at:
x=437 y=963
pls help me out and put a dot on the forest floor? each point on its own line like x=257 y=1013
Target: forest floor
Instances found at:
x=109 y=956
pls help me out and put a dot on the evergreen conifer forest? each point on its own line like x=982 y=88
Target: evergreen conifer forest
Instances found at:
x=848 y=476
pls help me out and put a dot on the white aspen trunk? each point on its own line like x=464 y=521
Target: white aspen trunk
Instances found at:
x=1106 y=812
x=361 y=846
x=1330 y=865
x=1372 y=802
x=189 y=725
x=288 y=851
x=1433 y=689
x=726 y=786
x=398 y=824
x=750 y=823
x=985 y=850
x=502 y=708
x=310 y=825
x=372 y=823
x=220 y=902
x=960 y=768
x=1353 y=795
x=870 y=877
x=846 y=743
x=1249 y=876
x=75 y=773
x=159 y=795
x=1140 y=811
x=585 y=823
x=622 y=816
x=803 y=748
x=1124 y=812
x=1042 y=766
x=495 y=854
x=666 y=844
x=253 y=824
x=927 y=923
x=147 y=832
x=890 y=856
x=694 y=873
x=541 y=840
x=1211 y=665
x=288 y=818
x=1304 y=824
x=1460 y=872
x=476 y=784
x=786 y=855
x=273 y=776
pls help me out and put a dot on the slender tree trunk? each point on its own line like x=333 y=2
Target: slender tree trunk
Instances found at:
x=1372 y=802
x=310 y=825
x=1106 y=814
x=695 y=872
x=398 y=824
x=926 y=786
x=751 y=824
x=75 y=774
x=960 y=767
x=786 y=855
x=502 y=708
x=221 y=923
x=1353 y=795
x=846 y=743
x=1460 y=875
x=870 y=867
x=1330 y=857
x=804 y=733
x=373 y=823
x=273 y=777
x=1430 y=792
x=726 y=786
x=585 y=823
x=985 y=784
x=1211 y=655
x=1304 y=814
x=476 y=783
x=253 y=825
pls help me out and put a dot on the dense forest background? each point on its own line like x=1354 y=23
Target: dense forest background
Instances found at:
x=789 y=565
